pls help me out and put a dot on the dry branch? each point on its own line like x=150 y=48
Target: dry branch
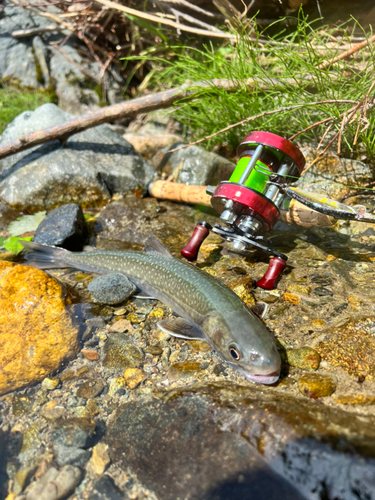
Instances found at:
x=118 y=111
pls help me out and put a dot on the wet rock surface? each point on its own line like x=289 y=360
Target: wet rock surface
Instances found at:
x=89 y=169
x=166 y=418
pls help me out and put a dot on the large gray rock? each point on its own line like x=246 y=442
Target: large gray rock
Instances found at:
x=220 y=442
x=89 y=169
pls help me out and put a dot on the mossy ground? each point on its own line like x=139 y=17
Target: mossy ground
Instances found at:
x=15 y=99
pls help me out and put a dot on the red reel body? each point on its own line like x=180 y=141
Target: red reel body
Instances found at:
x=248 y=204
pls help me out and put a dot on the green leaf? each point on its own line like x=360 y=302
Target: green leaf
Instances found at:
x=26 y=223
x=12 y=243
x=2 y=239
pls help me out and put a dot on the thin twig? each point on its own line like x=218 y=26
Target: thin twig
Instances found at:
x=319 y=157
x=310 y=127
x=161 y=20
x=75 y=63
x=324 y=136
x=349 y=52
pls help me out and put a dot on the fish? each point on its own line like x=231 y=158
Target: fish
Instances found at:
x=206 y=308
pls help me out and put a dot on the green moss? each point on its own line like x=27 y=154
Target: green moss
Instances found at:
x=15 y=99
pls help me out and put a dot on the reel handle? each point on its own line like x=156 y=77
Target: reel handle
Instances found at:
x=275 y=268
x=201 y=231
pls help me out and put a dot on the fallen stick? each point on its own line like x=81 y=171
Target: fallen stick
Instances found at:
x=115 y=112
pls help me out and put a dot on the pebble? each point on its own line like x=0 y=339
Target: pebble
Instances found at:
x=155 y=349
x=54 y=484
x=318 y=323
x=90 y=389
x=315 y=385
x=156 y=313
x=295 y=288
x=111 y=288
x=119 y=353
x=106 y=489
x=199 y=345
x=100 y=459
x=21 y=404
x=115 y=385
x=53 y=411
x=49 y=384
x=305 y=358
x=90 y=354
x=292 y=298
x=64 y=226
x=75 y=432
x=135 y=318
x=73 y=456
x=184 y=369
x=121 y=326
x=133 y=377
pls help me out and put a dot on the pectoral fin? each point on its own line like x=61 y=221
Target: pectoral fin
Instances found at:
x=179 y=327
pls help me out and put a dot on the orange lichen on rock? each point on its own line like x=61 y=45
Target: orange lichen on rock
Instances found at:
x=36 y=332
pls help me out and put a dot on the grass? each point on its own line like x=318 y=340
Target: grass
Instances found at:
x=15 y=99
x=292 y=59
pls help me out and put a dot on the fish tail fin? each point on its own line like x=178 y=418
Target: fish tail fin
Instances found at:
x=43 y=256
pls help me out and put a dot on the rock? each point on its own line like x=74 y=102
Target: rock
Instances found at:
x=111 y=288
x=90 y=389
x=18 y=59
x=37 y=334
x=65 y=227
x=148 y=146
x=133 y=377
x=31 y=439
x=74 y=432
x=100 y=459
x=292 y=298
x=117 y=384
x=121 y=326
x=23 y=476
x=184 y=369
x=120 y=353
x=295 y=288
x=128 y=223
x=49 y=384
x=21 y=404
x=305 y=358
x=332 y=170
x=54 y=484
x=91 y=167
x=67 y=455
x=196 y=166
x=90 y=354
x=52 y=411
x=315 y=385
x=105 y=489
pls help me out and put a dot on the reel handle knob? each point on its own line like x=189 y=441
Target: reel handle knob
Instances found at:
x=275 y=268
x=201 y=231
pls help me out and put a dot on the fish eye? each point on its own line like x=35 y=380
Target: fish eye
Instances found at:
x=235 y=352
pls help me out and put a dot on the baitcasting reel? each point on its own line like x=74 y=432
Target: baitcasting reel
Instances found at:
x=249 y=202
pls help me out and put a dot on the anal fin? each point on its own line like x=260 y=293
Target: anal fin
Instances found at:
x=179 y=327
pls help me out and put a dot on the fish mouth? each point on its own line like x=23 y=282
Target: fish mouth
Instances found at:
x=269 y=379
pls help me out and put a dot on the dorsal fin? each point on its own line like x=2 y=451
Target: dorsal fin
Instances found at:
x=153 y=245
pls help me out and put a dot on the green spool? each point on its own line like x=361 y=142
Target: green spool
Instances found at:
x=256 y=180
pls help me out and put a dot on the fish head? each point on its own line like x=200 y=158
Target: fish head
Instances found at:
x=244 y=341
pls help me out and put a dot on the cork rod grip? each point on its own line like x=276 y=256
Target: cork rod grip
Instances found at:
x=303 y=216
x=172 y=191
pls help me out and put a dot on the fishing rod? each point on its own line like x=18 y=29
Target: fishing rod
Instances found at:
x=257 y=195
